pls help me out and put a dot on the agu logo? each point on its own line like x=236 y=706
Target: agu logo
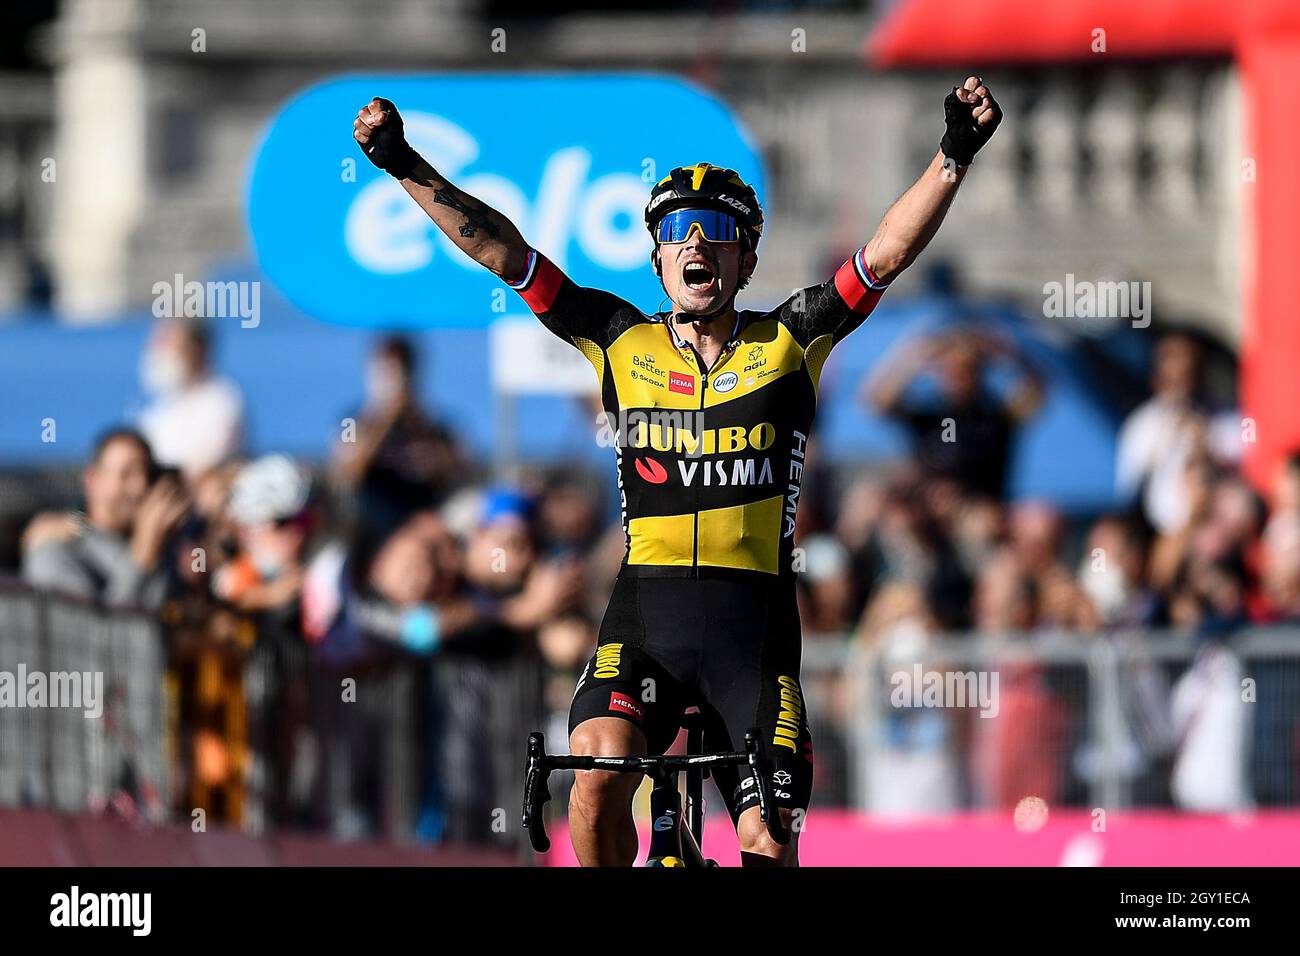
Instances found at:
x=651 y=471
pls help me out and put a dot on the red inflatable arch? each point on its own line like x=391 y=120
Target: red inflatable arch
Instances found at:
x=1263 y=36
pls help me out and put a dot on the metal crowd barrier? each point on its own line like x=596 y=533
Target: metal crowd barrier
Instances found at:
x=430 y=748
x=486 y=709
x=403 y=747
x=1083 y=721
x=98 y=734
x=418 y=747
x=24 y=772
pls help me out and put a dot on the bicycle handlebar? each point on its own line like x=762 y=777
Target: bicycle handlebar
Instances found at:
x=541 y=764
x=767 y=811
x=536 y=793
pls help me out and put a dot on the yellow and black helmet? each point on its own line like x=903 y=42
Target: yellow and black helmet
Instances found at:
x=709 y=187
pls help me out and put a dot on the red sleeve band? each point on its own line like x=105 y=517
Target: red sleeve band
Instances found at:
x=541 y=284
x=857 y=285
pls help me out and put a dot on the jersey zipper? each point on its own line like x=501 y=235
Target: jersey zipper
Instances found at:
x=704 y=385
x=695 y=538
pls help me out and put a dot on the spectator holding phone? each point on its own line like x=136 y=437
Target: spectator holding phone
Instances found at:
x=115 y=552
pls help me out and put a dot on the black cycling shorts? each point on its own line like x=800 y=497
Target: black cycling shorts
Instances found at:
x=727 y=644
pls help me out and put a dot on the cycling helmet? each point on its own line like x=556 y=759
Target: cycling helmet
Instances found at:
x=709 y=187
x=272 y=488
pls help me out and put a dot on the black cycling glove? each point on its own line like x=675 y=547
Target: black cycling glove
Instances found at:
x=964 y=136
x=388 y=148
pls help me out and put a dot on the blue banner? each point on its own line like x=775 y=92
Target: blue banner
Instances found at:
x=569 y=159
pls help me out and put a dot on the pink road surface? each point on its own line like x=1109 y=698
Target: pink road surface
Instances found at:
x=840 y=838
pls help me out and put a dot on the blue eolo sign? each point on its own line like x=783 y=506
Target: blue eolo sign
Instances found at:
x=570 y=159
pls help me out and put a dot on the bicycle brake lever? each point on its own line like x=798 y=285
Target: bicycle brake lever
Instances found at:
x=536 y=793
x=767 y=811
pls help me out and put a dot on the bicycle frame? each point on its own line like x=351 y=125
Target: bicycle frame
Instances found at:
x=670 y=845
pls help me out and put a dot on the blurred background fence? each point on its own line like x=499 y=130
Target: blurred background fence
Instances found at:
x=69 y=757
x=1102 y=722
x=271 y=739
x=210 y=719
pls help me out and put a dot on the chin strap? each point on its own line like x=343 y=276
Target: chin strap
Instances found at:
x=682 y=317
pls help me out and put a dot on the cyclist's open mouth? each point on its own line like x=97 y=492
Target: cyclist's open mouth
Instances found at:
x=699 y=276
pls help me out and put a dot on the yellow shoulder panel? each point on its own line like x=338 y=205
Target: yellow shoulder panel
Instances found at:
x=649 y=372
x=766 y=352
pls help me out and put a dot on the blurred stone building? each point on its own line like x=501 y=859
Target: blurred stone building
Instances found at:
x=151 y=109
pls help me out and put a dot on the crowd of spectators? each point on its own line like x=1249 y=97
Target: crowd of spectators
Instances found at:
x=933 y=548
x=397 y=548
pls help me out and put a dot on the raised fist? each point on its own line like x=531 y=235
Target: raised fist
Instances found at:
x=378 y=129
x=971 y=115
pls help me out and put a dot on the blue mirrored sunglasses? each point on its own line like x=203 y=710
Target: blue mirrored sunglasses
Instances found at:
x=714 y=226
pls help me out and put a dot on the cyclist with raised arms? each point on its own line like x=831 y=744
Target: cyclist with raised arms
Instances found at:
x=713 y=408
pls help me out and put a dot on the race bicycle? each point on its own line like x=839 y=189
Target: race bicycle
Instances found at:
x=670 y=843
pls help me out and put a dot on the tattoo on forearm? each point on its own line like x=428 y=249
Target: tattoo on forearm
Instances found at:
x=475 y=219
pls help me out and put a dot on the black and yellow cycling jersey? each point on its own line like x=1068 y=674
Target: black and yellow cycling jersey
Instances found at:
x=710 y=463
